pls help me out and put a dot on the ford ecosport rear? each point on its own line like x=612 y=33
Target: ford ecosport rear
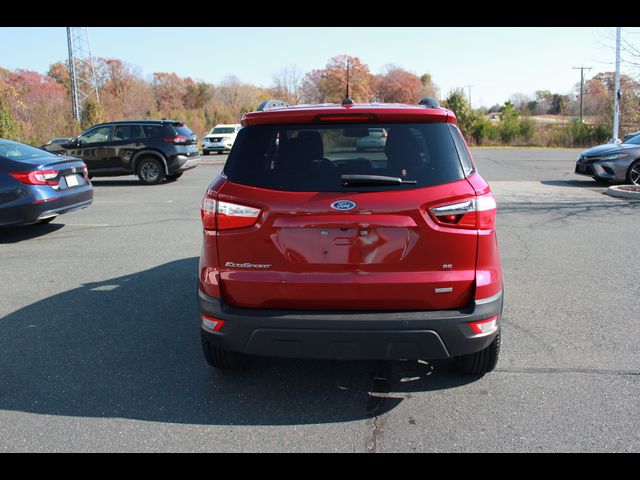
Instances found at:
x=314 y=248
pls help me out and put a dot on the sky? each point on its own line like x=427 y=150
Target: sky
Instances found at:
x=496 y=61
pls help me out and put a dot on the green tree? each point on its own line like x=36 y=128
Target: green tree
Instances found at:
x=483 y=130
x=8 y=126
x=509 y=126
x=91 y=114
x=457 y=102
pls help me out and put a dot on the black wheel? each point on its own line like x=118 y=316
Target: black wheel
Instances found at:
x=219 y=357
x=481 y=362
x=174 y=176
x=150 y=171
x=220 y=152
x=205 y=152
x=633 y=174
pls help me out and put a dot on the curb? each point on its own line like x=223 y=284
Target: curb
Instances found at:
x=615 y=191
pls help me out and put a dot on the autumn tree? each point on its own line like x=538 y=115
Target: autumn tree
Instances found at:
x=39 y=105
x=397 y=85
x=169 y=91
x=330 y=84
x=59 y=71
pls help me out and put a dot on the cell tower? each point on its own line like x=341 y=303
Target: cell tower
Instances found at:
x=84 y=85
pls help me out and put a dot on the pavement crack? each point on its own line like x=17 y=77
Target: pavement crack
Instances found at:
x=376 y=404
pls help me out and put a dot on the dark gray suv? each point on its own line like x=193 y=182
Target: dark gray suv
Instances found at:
x=613 y=162
x=153 y=150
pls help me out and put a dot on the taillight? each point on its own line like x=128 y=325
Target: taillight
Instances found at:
x=476 y=213
x=85 y=171
x=219 y=215
x=208 y=211
x=231 y=215
x=178 y=139
x=37 y=177
x=346 y=117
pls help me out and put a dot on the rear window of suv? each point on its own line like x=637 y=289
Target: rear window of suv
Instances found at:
x=310 y=158
x=182 y=130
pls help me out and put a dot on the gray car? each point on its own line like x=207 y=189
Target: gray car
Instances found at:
x=612 y=162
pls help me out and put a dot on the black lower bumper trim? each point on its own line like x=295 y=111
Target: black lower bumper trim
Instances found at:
x=348 y=334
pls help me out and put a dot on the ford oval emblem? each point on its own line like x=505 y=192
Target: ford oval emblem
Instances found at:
x=343 y=205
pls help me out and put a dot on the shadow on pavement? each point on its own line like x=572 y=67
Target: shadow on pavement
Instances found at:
x=123 y=182
x=592 y=184
x=129 y=347
x=27 y=232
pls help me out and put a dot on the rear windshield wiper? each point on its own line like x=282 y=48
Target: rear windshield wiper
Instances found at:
x=347 y=180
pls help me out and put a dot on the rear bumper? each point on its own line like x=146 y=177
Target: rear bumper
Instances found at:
x=211 y=148
x=182 y=163
x=48 y=205
x=349 y=335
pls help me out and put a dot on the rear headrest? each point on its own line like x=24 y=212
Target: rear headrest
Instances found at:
x=310 y=142
x=402 y=149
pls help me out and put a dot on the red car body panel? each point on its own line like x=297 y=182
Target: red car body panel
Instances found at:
x=387 y=254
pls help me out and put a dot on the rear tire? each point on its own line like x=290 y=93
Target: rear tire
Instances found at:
x=219 y=357
x=150 y=171
x=481 y=362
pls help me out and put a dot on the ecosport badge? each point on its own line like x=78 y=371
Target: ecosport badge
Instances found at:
x=343 y=205
x=247 y=265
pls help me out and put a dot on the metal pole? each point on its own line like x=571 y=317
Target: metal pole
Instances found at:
x=74 y=81
x=582 y=69
x=469 y=90
x=616 y=96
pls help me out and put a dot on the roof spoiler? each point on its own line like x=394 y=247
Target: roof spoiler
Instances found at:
x=429 y=102
x=271 y=104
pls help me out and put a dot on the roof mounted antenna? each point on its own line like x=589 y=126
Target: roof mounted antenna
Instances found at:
x=347 y=100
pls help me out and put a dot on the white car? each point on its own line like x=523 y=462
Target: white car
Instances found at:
x=220 y=139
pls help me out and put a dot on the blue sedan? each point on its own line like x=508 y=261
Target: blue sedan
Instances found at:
x=36 y=186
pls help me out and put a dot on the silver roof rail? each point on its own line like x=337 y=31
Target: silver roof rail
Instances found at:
x=270 y=104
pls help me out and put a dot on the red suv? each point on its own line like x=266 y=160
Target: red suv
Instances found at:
x=315 y=249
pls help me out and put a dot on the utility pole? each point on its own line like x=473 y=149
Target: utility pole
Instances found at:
x=469 y=90
x=582 y=69
x=616 y=96
x=84 y=84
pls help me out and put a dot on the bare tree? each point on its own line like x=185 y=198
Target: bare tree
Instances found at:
x=287 y=84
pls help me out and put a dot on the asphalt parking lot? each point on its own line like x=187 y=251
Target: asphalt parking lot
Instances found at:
x=100 y=347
